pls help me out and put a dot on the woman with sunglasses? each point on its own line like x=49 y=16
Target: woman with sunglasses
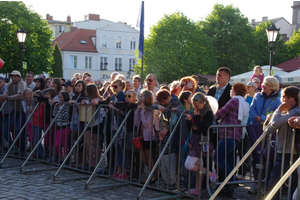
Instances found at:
x=115 y=104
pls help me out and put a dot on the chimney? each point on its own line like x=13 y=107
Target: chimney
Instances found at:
x=73 y=29
x=253 y=21
x=265 y=19
x=47 y=16
x=94 y=17
x=68 y=18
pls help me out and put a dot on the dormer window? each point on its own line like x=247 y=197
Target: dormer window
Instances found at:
x=82 y=42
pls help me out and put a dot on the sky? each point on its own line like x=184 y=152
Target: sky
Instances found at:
x=128 y=11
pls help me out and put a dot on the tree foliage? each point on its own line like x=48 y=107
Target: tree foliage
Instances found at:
x=176 y=47
x=57 y=70
x=293 y=45
x=232 y=37
x=38 y=50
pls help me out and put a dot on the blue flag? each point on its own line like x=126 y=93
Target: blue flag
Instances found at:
x=140 y=23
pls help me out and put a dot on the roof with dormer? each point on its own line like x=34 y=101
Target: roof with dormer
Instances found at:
x=77 y=40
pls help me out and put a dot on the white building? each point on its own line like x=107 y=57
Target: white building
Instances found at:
x=101 y=49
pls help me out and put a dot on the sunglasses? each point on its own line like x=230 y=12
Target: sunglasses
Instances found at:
x=182 y=86
x=128 y=95
x=150 y=80
x=115 y=86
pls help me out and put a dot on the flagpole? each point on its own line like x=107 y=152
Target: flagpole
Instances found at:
x=140 y=23
x=142 y=69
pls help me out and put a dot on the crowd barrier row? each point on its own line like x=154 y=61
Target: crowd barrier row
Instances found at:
x=97 y=141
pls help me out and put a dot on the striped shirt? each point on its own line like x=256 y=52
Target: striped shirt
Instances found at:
x=219 y=91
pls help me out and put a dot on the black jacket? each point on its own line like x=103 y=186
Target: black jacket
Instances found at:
x=225 y=97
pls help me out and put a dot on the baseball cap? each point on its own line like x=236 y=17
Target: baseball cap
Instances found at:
x=256 y=80
x=278 y=78
x=250 y=83
x=15 y=73
x=67 y=83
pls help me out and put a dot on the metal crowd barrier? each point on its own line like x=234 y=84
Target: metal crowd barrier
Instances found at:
x=79 y=151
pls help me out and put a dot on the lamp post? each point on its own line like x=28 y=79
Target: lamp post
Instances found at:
x=21 y=35
x=272 y=33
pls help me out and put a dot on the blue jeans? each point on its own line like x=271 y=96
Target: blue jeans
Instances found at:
x=226 y=166
x=37 y=135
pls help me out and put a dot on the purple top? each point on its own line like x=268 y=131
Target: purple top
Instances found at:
x=228 y=115
x=146 y=117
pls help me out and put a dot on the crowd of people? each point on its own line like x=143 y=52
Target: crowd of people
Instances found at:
x=156 y=109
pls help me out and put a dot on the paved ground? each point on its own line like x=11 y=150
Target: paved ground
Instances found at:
x=40 y=185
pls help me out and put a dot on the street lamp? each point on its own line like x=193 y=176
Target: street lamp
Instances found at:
x=272 y=35
x=21 y=35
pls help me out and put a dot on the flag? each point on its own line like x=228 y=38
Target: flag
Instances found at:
x=140 y=23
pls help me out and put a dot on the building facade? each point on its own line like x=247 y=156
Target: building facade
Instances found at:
x=58 y=27
x=100 y=51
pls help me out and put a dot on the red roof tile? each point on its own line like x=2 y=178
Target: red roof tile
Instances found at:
x=74 y=41
x=290 y=65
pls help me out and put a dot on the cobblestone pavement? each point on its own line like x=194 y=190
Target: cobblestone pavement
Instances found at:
x=40 y=185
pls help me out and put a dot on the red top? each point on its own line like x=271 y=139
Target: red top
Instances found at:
x=38 y=116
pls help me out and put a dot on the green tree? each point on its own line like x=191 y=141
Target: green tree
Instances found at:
x=232 y=37
x=56 y=67
x=293 y=45
x=262 y=51
x=176 y=47
x=38 y=50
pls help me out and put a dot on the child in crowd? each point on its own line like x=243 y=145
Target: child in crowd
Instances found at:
x=185 y=98
x=38 y=123
x=258 y=73
x=50 y=93
x=94 y=132
x=199 y=123
x=143 y=120
x=56 y=84
x=63 y=130
x=131 y=103
x=28 y=105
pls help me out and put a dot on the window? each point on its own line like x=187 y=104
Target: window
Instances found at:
x=73 y=62
x=132 y=43
x=82 y=42
x=104 y=41
x=131 y=64
x=118 y=64
x=88 y=62
x=118 y=42
x=103 y=63
x=61 y=28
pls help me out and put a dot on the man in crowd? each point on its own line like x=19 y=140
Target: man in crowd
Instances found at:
x=14 y=94
x=221 y=91
x=89 y=80
x=69 y=88
x=85 y=75
x=198 y=89
x=29 y=80
x=151 y=84
x=137 y=84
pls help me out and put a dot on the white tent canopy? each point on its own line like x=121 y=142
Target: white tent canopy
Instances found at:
x=245 y=77
x=291 y=78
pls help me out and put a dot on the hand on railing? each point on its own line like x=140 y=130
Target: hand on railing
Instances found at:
x=294 y=122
